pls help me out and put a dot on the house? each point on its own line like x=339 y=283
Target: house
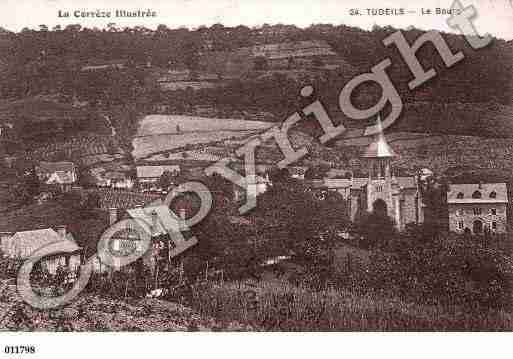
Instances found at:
x=118 y=180
x=297 y=172
x=156 y=222
x=257 y=185
x=478 y=207
x=58 y=174
x=151 y=174
x=60 y=246
x=399 y=197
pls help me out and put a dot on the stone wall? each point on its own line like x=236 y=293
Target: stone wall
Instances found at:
x=465 y=213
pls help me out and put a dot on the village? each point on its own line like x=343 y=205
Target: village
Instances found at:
x=412 y=214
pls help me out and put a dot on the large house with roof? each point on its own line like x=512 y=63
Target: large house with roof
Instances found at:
x=151 y=174
x=58 y=248
x=399 y=197
x=478 y=207
x=62 y=175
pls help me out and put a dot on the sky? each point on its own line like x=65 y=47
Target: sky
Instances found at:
x=494 y=16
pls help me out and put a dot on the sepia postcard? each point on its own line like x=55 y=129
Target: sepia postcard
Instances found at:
x=252 y=166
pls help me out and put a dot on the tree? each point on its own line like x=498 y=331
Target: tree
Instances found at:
x=166 y=180
x=375 y=229
x=433 y=190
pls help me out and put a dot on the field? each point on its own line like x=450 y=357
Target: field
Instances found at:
x=161 y=133
x=164 y=124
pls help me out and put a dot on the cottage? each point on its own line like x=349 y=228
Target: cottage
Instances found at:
x=151 y=174
x=64 y=251
x=58 y=174
x=158 y=223
x=478 y=207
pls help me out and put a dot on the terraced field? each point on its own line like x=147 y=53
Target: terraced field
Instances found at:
x=161 y=133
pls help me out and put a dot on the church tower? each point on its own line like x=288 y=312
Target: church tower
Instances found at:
x=382 y=191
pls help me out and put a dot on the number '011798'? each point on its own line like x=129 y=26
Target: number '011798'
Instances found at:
x=19 y=349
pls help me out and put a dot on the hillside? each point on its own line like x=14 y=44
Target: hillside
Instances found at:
x=35 y=116
x=95 y=314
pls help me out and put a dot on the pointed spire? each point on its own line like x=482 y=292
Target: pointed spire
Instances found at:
x=379 y=148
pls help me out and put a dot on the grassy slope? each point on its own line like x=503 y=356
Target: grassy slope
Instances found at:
x=282 y=306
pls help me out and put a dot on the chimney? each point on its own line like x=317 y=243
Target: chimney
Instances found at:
x=62 y=231
x=154 y=218
x=113 y=216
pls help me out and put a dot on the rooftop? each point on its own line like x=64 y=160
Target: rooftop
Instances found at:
x=25 y=243
x=477 y=193
x=155 y=171
x=51 y=167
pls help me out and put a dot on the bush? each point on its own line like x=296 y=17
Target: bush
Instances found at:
x=448 y=270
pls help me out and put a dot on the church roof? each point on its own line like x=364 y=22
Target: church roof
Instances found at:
x=379 y=148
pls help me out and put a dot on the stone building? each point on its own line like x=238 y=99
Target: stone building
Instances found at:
x=478 y=207
x=400 y=197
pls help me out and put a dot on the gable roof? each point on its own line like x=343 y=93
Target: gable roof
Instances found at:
x=155 y=171
x=51 y=167
x=24 y=244
x=358 y=182
x=485 y=189
x=60 y=177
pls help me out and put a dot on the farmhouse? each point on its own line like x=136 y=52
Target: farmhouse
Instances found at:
x=151 y=174
x=154 y=222
x=478 y=207
x=22 y=245
x=398 y=197
x=58 y=174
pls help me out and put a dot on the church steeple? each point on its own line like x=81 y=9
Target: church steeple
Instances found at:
x=379 y=147
x=379 y=154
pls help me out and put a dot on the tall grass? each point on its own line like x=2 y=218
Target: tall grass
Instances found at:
x=280 y=306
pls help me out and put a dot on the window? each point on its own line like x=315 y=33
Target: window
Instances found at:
x=494 y=226
x=460 y=212
x=379 y=188
x=493 y=211
x=493 y=194
x=460 y=195
x=477 y=211
x=476 y=194
x=461 y=224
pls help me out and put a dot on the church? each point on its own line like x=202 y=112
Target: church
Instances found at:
x=400 y=197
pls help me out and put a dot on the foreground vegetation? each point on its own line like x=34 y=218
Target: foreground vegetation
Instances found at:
x=277 y=305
